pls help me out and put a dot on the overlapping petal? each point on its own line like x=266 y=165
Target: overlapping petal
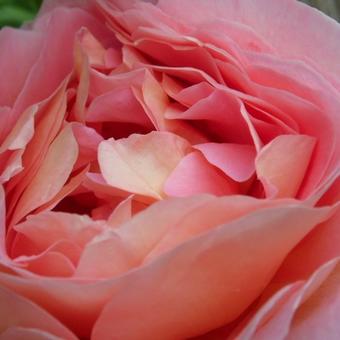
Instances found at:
x=170 y=170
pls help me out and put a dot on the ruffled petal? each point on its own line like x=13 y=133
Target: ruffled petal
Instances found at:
x=204 y=283
x=141 y=163
x=17 y=311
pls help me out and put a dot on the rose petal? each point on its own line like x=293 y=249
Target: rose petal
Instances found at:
x=122 y=213
x=281 y=34
x=52 y=175
x=47 y=126
x=320 y=246
x=22 y=131
x=96 y=183
x=16 y=140
x=106 y=256
x=5 y=113
x=3 y=252
x=202 y=218
x=41 y=81
x=235 y=160
x=67 y=189
x=222 y=118
x=282 y=164
x=48 y=264
x=47 y=228
x=20 y=51
x=169 y=54
x=88 y=140
x=11 y=164
x=198 y=280
x=194 y=175
x=18 y=311
x=23 y=333
x=119 y=105
x=141 y=163
x=315 y=317
x=187 y=96
x=24 y=249
x=303 y=310
x=143 y=233
x=94 y=50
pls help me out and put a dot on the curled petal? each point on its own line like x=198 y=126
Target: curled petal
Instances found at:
x=235 y=160
x=282 y=164
x=194 y=175
x=52 y=175
x=141 y=163
x=204 y=283
x=16 y=311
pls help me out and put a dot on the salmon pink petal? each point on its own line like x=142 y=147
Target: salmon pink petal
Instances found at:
x=119 y=105
x=153 y=99
x=11 y=165
x=282 y=164
x=25 y=45
x=202 y=218
x=96 y=183
x=105 y=256
x=122 y=213
x=259 y=16
x=48 y=124
x=22 y=132
x=23 y=333
x=86 y=300
x=45 y=229
x=41 y=83
x=235 y=160
x=318 y=247
x=25 y=246
x=187 y=96
x=205 y=282
x=88 y=140
x=48 y=264
x=314 y=94
x=102 y=212
x=52 y=175
x=81 y=75
x=117 y=252
x=3 y=252
x=194 y=175
x=145 y=230
x=72 y=184
x=101 y=83
x=328 y=191
x=5 y=113
x=141 y=234
x=17 y=311
x=169 y=54
x=221 y=115
x=95 y=51
x=315 y=317
x=165 y=224
x=16 y=140
x=302 y=310
x=141 y=163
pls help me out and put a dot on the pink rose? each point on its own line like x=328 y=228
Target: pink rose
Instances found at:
x=170 y=169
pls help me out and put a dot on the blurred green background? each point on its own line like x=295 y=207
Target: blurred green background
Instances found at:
x=15 y=12
x=330 y=7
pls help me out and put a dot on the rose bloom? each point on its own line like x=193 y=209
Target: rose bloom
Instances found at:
x=170 y=170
